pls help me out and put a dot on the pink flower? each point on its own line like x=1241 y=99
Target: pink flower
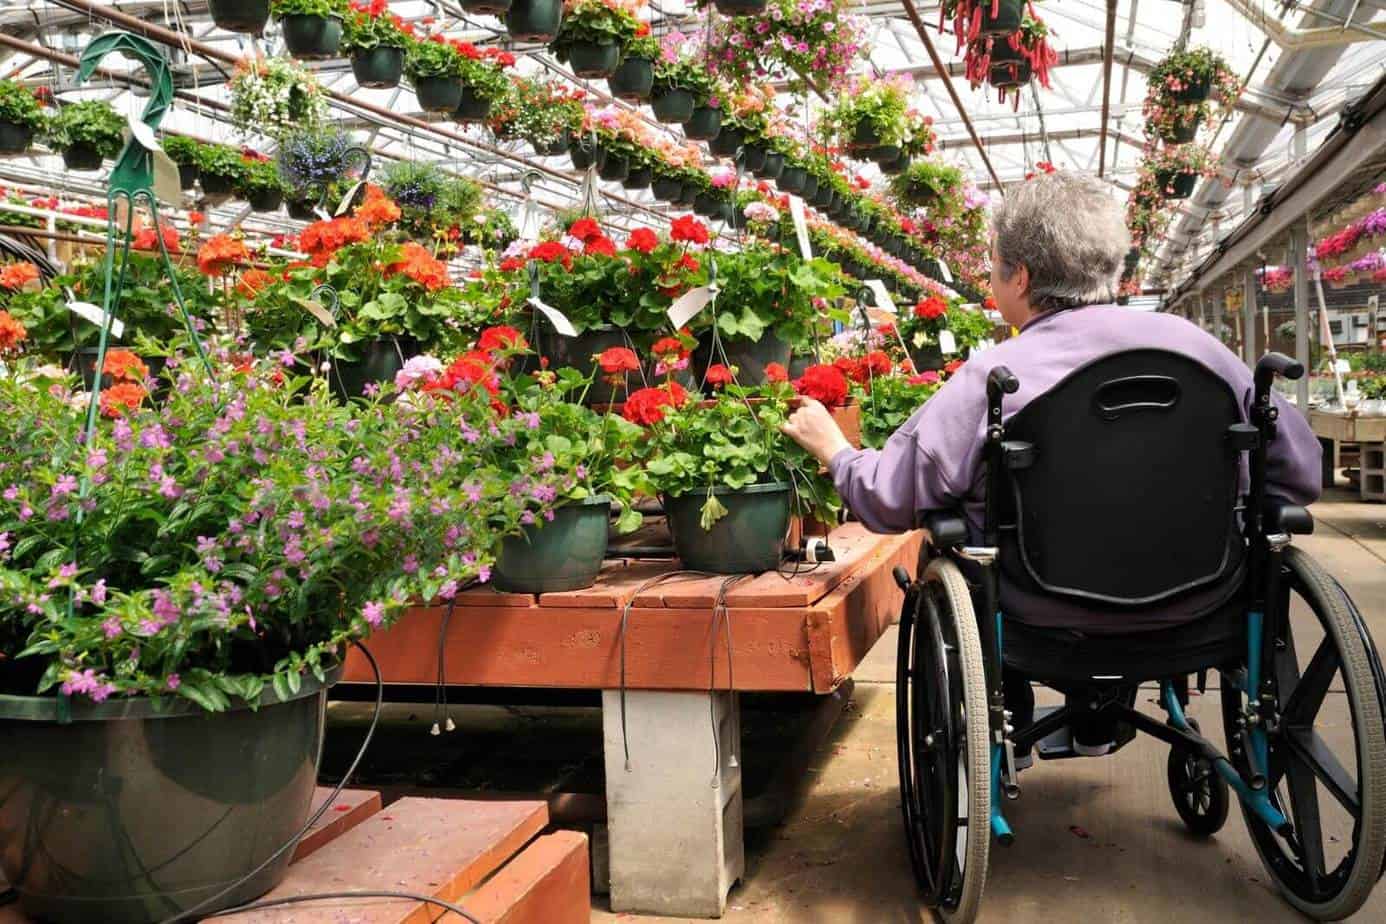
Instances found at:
x=174 y=681
x=374 y=613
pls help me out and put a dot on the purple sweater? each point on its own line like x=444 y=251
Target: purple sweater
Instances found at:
x=934 y=461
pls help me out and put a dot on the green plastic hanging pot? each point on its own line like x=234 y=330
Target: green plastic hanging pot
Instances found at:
x=638 y=178
x=534 y=20
x=473 y=108
x=774 y=166
x=824 y=196
x=810 y=188
x=748 y=539
x=82 y=156
x=215 y=185
x=749 y=356
x=1196 y=91
x=565 y=553
x=136 y=810
x=707 y=204
x=246 y=16
x=593 y=59
x=895 y=167
x=378 y=68
x=613 y=167
x=885 y=153
x=864 y=137
x=579 y=352
x=486 y=7
x=792 y=179
x=15 y=138
x=753 y=156
x=583 y=152
x=1184 y=130
x=555 y=146
x=632 y=80
x=311 y=37
x=727 y=142
x=380 y=361
x=687 y=195
x=740 y=7
x=666 y=189
x=1005 y=21
x=1009 y=76
x=672 y=106
x=727 y=214
x=438 y=94
x=265 y=200
x=187 y=175
x=704 y=124
x=1177 y=185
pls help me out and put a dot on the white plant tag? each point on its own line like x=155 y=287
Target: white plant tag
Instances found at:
x=943 y=270
x=167 y=184
x=883 y=300
x=947 y=343
x=345 y=204
x=557 y=318
x=96 y=316
x=690 y=304
x=323 y=316
x=796 y=211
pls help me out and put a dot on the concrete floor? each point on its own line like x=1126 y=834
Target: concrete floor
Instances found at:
x=1097 y=840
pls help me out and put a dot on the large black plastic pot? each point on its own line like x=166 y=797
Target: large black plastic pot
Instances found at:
x=379 y=68
x=486 y=7
x=248 y=16
x=633 y=80
x=1177 y=185
x=559 y=145
x=265 y=200
x=1010 y=76
x=187 y=175
x=565 y=553
x=578 y=352
x=774 y=166
x=892 y=167
x=534 y=20
x=810 y=186
x=1183 y=131
x=705 y=124
x=864 y=137
x=311 y=37
x=666 y=189
x=727 y=142
x=438 y=94
x=747 y=540
x=82 y=156
x=885 y=153
x=823 y=197
x=753 y=156
x=473 y=108
x=216 y=185
x=303 y=209
x=1006 y=20
x=15 y=138
x=380 y=361
x=740 y=7
x=591 y=59
x=687 y=194
x=708 y=204
x=613 y=167
x=750 y=357
x=638 y=178
x=582 y=151
x=927 y=358
x=131 y=812
x=792 y=179
x=672 y=106
x=1194 y=92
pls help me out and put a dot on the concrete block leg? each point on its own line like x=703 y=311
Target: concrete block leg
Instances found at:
x=674 y=813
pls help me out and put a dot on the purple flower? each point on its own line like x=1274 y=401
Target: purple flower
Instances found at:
x=448 y=590
x=4 y=543
x=483 y=574
x=527 y=518
x=173 y=682
x=531 y=419
x=65 y=485
x=470 y=435
x=11 y=493
x=111 y=627
x=374 y=613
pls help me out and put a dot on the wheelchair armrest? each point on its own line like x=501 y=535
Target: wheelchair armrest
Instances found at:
x=947 y=530
x=1288 y=518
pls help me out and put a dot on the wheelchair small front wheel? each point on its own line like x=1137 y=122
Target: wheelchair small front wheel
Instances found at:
x=1200 y=796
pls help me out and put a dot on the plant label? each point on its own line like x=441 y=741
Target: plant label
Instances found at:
x=690 y=304
x=796 y=211
x=167 y=185
x=944 y=272
x=96 y=316
x=883 y=300
x=947 y=342
x=557 y=318
x=345 y=205
x=321 y=314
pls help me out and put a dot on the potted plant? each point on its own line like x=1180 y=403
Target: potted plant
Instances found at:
x=673 y=168
x=974 y=19
x=260 y=184
x=794 y=176
x=487 y=7
x=1190 y=75
x=221 y=171
x=273 y=96
x=312 y=28
x=633 y=79
x=1176 y=170
x=542 y=112
x=434 y=67
x=592 y=36
x=534 y=20
x=483 y=80
x=800 y=42
x=890 y=401
x=927 y=184
x=248 y=16
x=313 y=161
x=870 y=120
x=21 y=117
x=183 y=151
x=680 y=80
x=377 y=41
x=87 y=133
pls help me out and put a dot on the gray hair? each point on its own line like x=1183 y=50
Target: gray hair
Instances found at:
x=1068 y=231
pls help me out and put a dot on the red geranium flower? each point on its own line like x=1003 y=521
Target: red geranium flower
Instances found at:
x=601 y=246
x=121 y=397
x=774 y=372
x=124 y=366
x=646 y=406
x=689 y=229
x=877 y=363
x=618 y=361
x=669 y=348
x=585 y=229
x=851 y=368
x=500 y=337
x=511 y=264
x=643 y=240
x=931 y=308
x=689 y=262
x=719 y=375
x=924 y=378
x=952 y=366
x=552 y=252
x=825 y=384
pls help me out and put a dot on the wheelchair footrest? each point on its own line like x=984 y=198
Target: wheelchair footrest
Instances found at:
x=1057 y=745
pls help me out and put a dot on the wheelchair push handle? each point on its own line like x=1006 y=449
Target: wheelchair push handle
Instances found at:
x=1001 y=381
x=1271 y=365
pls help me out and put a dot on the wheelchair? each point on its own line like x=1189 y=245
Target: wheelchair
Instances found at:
x=1122 y=492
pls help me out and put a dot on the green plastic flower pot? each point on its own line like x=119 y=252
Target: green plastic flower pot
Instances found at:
x=894 y=167
x=824 y=196
x=753 y=156
x=311 y=37
x=750 y=357
x=438 y=94
x=583 y=152
x=727 y=142
x=687 y=195
x=591 y=59
x=534 y=20
x=380 y=361
x=748 y=539
x=563 y=554
x=1195 y=91
x=1177 y=185
x=1006 y=19
x=727 y=213
x=740 y=7
x=638 y=178
x=613 y=167
x=473 y=108
x=132 y=811
x=705 y=124
x=672 y=106
x=774 y=166
x=707 y=204
x=864 y=137
x=247 y=16
x=215 y=185
x=303 y=209
x=15 y=138
x=82 y=156
x=632 y=80
x=578 y=352
x=265 y=200
x=1183 y=131
x=486 y=7
x=187 y=175
x=378 y=68
x=666 y=189
x=792 y=179
x=810 y=188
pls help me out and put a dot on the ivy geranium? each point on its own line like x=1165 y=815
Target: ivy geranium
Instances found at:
x=370 y=24
x=19 y=106
x=282 y=8
x=598 y=22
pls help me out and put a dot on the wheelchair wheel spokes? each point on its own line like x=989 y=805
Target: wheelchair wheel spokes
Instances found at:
x=1326 y=755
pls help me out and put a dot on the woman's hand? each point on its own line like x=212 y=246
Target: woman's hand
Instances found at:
x=812 y=427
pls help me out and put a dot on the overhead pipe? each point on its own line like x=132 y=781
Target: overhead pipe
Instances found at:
x=1347 y=32
x=1107 y=49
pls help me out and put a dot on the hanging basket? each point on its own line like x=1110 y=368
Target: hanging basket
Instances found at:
x=556 y=146
x=1183 y=131
x=740 y=7
x=1194 y=92
x=15 y=138
x=1177 y=185
x=563 y=554
x=666 y=189
x=1010 y=75
x=303 y=209
x=774 y=166
x=215 y=185
x=897 y=166
x=486 y=7
x=747 y=540
x=810 y=187
x=672 y=106
x=266 y=200
x=534 y=20
x=438 y=94
x=687 y=195
x=245 y=16
x=582 y=151
x=638 y=178
x=886 y=153
x=613 y=167
x=380 y=361
x=473 y=107
x=1006 y=20
x=311 y=38
x=726 y=142
x=753 y=156
x=594 y=60
x=82 y=156
x=633 y=80
x=792 y=179
x=378 y=68
x=705 y=124
x=708 y=205
x=864 y=137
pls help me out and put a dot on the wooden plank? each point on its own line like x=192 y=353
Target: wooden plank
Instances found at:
x=546 y=884
x=349 y=809
x=440 y=848
x=615 y=585
x=486 y=595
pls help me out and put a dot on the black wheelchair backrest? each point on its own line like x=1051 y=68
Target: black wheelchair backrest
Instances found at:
x=1126 y=493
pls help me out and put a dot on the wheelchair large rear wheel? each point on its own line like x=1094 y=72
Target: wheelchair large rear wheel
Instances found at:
x=1327 y=752
x=944 y=758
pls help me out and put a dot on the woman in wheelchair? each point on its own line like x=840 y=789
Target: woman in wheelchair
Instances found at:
x=1110 y=499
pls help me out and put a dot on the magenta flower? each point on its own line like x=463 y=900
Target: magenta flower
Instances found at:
x=173 y=682
x=374 y=613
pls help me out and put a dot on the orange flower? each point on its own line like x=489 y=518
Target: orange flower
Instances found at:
x=378 y=209
x=16 y=276
x=253 y=282
x=12 y=333
x=124 y=366
x=218 y=255
x=422 y=267
x=327 y=237
x=120 y=397
x=148 y=239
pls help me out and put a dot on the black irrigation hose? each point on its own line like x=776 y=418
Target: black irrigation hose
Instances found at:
x=333 y=896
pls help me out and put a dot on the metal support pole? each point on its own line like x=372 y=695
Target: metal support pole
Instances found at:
x=1298 y=245
x=1249 y=318
x=1107 y=50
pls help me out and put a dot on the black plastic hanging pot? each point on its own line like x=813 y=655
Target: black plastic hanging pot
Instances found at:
x=687 y=195
x=823 y=197
x=486 y=7
x=897 y=166
x=1177 y=185
x=1010 y=76
x=672 y=106
x=214 y=184
x=438 y=94
x=810 y=189
x=705 y=124
x=311 y=37
x=534 y=20
x=885 y=153
x=378 y=68
x=740 y=7
x=750 y=357
x=380 y=361
x=580 y=353
x=1184 y=130
x=303 y=209
x=562 y=554
x=557 y=145
x=582 y=151
x=632 y=80
x=613 y=167
x=247 y=16
x=864 y=137
x=792 y=179
x=82 y=156
x=265 y=200
x=727 y=142
x=748 y=539
x=638 y=177
x=708 y=204
x=773 y=167
x=727 y=213
x=753 y=156
x=665 y=188
x=1196 y=91
x=15 y=138
x=187 y=175
x=591 y=59
x=473 y=108
x=1006 y=19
